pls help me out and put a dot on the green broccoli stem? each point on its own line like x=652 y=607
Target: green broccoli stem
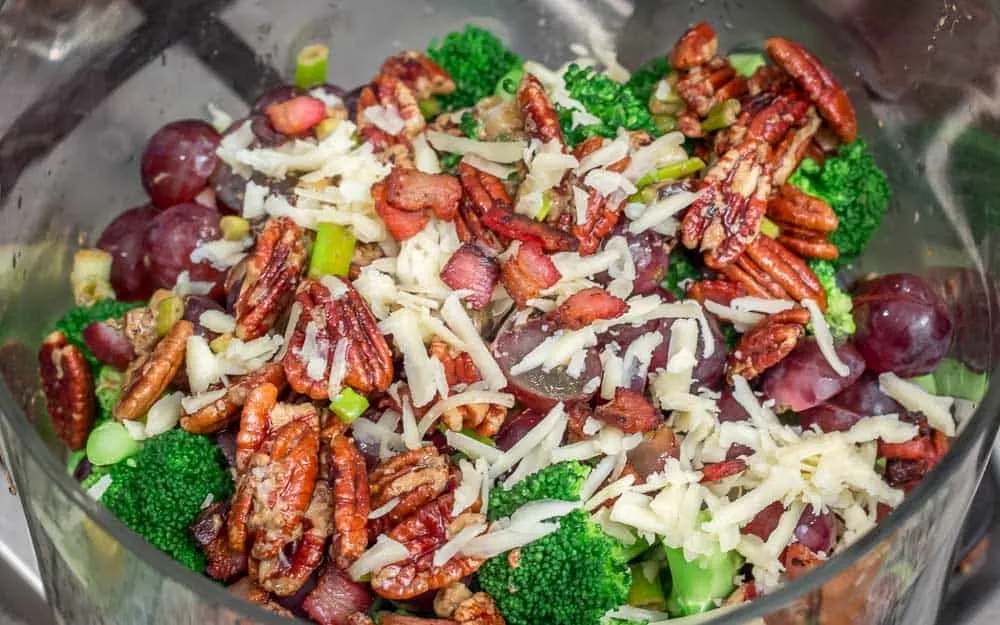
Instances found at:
x=745 y=64
x=952 y=378
x=311 y=65
x=332 y=252
x=110 y=443
x=722 y=115
x=701 y=584
x=647 y=587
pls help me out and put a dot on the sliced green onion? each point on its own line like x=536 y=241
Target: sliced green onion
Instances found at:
x=664 y=123
x=348 y=405
x=722 y=115
x=769 y=229
x=110 y=443
x=332 y=252
x=507 y=85
x=429 y=107
x=745 y=64
x=543 y=211
x=74 y=460
x=672 y=172
x=485 y=440
x=326 y=127
x=168 y=312
x=310 y=65
x=220 y=343
x=234 y=228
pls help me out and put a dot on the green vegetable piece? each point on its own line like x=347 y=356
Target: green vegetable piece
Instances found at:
x=110 y=443
x=476 y=59
x=769 y=229
x=664 y=123
x=469 y=125
x=311 y=65
x=645 y=592
x=926 y=382
x=73 y=322
x=168 y=312
x=745 y=64
x=611 y=102
x=838 y=303
x=682 y=268
x=509 y=82
x=857 y=190
x=332 y=251
x=953 y=379
x=430 y=107
x=643 y=81
x=699 y=585
x=96 y=473
x=348 y=405
x=730 y=335
x=672 y=171
x=160 y=491
x=722 y=115
x=449 y=161
x=108 y=389
x=546 y=206
x=234 y=228
x=560 y=481
x=73 y=461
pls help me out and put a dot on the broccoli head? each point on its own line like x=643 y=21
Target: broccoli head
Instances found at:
x=613 y=103
x=570 y=577
x=643 y=80
x=476 y=60
x=857 y=190
x=159 y=492
x=838 y=303
x=73 y=322
x=559 y=481
x=681 y=269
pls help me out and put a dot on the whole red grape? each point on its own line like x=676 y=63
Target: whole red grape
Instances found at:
x=178 y=161
x=123 y=240
x=171 y=238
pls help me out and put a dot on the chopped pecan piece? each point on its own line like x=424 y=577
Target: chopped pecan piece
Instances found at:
x=721 y=291
x=333 y=311
x=249 y=589
x=394 y=96
x=447 y=600
x=708 y=84
x=587 y=306
x=273 y=270
x=629 y=411
x=148 y=377
x=425 y=77
x=140 y=328
x=392 y=618
x=459 y=603
x=351 y=502
x=767 y=343
x=485 y=419
x=209 y=533
x=481 y=192
x=819 y=82
x=69 y=389
x=423 y=532
x=697 y=46
x=225 y=411
x=527 y=272
x=415 y=477
x=718 y=471
x=458 y=366
x=540 y=119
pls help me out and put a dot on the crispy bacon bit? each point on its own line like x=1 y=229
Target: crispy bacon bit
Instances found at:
x=528 y=272
x=471 y=268
x=413 y=190
x=717 y=471
x=336 y=597
x=420 y=73
x=630 y=411
x=521 y=228
x=401 y=224
x=798 y=559
x=297 y=116
x=587 y=306
x=721 y=291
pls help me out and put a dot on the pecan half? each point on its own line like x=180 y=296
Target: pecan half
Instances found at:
x=425 y=77
x=423 y=532
x=630 y=411
x=225 y=411
x=804 y=222
x=148 y=377
x=333 y=311
x=721 y=291
x=819 y=82
x=540 y=119
x=767 y=343
x=272 y=273
x=351 y=502
x=415 y=477
x=69 y=389
x=391 y=93
x=457 y=602
x=703 y=86
x=482 y=192
x=697 y=46
x=458 y=366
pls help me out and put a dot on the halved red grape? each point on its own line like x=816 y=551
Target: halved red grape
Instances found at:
x=336 y=597
x=516 y=426
x=817 y=531
x=194 y=306
x=843 y=410
x=805 y=379
x=171 y=238
x=123 y=240
x=649 y=251
x=903 y=326
x=968 y=299
x=651 y=455
x=178 y=161
x=109 y=345
x=536 y=388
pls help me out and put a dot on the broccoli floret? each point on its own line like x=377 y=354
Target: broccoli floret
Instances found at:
x=613 y=103
x=73 y=322
x=108 y=389
x=838 y=304
x=857 y=190
x=570 y=577
x=476 y=60
x=643 y=80
x=560 y=481
x=159 y=492
x=469 y=125
x=681 y=268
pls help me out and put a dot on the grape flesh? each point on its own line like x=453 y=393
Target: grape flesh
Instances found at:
x=178 y=161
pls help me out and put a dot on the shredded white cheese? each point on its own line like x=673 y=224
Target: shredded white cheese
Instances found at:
x=912 y=397
x=824 y=338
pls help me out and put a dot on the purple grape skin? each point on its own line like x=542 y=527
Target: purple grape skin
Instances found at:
x=123 y=238
x=843 y=410
x=178 y=161
x=804 y=379
x=171 y=238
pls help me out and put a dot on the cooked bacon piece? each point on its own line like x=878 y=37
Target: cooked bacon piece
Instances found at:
x=401 y=224
x=586 y=306
x=525 y=229
x=718 y=471
x=336 y=597
x=528 y=272
x=630 y=411
x=296 y=116
x=413 y=190
x=471 y=268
